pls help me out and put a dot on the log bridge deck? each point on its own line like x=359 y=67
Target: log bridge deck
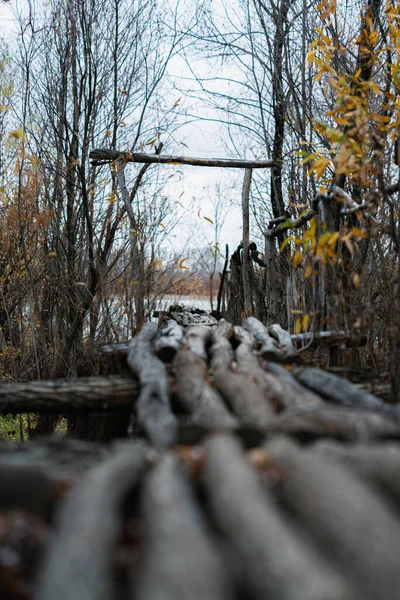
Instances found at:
x=243 y=476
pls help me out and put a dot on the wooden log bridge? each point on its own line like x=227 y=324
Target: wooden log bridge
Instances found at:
x=243 y=474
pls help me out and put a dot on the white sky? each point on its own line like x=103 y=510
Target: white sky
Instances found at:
x=196 y=186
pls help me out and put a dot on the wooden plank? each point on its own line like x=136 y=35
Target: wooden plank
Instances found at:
x=102 y=156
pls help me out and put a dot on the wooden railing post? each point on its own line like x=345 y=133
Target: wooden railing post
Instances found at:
x=248 y=307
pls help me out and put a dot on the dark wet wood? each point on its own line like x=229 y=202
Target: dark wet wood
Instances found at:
x=85 y=394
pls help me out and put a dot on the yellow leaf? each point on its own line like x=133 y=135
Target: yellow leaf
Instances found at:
x=181 y=265
x=311 y=55
x=18 y=134
x=324 y=238
x=356 y=279
x=209 y=220
x=308 y=271
x=358 y=232
x=306 y=322
x=108 y=132
x=285 y=242
x=297 y=258
x=333 y=239
x=151 y=142
x=297 y=325
x=177 y=102
x=341 y=120
x=161 y=224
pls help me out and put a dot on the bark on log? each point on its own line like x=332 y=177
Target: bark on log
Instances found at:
x=102 y=156
x=153 y=407
x=282 y=390
x=198 y=399
x=62 y=396
x=268 y=346
x=343 y=392
x=285 y=344
x=180 y=559
x=347 y=518
x=248 y=363
x=221 y=349
x=341 y=423
x=379 y=464
x=244 y=397
x=197 y=338
x=274 y=343
x=291 y=393
x=80 y=560
x=169 y=341
x=276 y=562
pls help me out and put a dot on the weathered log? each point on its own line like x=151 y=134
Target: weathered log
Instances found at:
x=245 y=398
x=180 y=559
x=101 y=156
x=221 y=349
x=281 y=392
x=168 y=342
x=63 y=396
x=285 y=344
x=343 y=392
x=202 y=402
x=274 y=559
x=379 y=464
x=80 y=560
x=345 y=516
x=267 y=346
x=197 y=338
x=274 y=343
x=189 y=372
x=290 y=392
x=338 y=422
x=241 y=336
x=153 y=407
